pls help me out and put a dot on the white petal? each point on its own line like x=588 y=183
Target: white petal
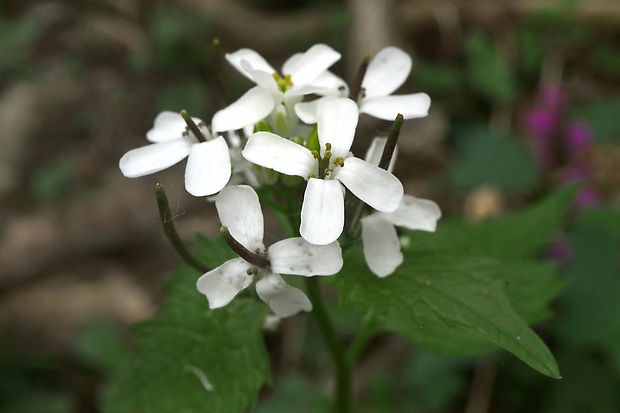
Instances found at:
x=168 y=126
x=311 y=64
x=283 y=299
x=253 y=58
x=337 y=119
x=275 y=152
x=239 y=210
x=208 y=167
x=415 y=213
x=298 y=256
x=411 y=106
x=154 y=157
x=373 y=185
x=303 y=90
x=381 y=246
x=375 y=151
x=261 y=78
x=322 y=212
x=386 y=72
x=308 y=111
x=222 y=284
x=331 y=85
x=291 y=63
x=253 y=106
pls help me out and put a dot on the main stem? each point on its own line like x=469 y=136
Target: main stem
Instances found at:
x=342 y=400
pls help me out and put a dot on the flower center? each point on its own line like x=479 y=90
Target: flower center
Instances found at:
x=326 y=164
x=283 y=82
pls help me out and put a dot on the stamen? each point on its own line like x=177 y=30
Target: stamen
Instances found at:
x=339 y=161
x=283 y=82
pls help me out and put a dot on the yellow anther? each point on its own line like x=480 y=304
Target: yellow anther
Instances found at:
x=339 y=161
x=315 y=154
x=328 y=146
x=283 y=82
x=328 y=154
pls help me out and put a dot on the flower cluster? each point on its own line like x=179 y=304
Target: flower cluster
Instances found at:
x=275 y=137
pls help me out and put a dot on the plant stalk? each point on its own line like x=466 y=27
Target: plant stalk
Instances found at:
x=171 y=232
x=342 y=396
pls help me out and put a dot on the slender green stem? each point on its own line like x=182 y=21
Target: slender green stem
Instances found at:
x=390 y=145
x=342 y=401
x=359 y=78
x=218 y=70
x=250 y=256
x=171 y=232
x=358 y=209
x=193 y=127
x=368 y=330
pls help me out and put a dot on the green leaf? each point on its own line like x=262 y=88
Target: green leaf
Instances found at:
x=186 y=340
x=605 y=219
x=485 y=267
x=590 y=307
x=495 y=159
x=459 y=292
x=528 y=286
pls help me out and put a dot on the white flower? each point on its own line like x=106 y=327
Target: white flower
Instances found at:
x=386 y=72
x=239 y=210
x=208 y=167
x=322 y=212
x=302 y=74
x=381 y=244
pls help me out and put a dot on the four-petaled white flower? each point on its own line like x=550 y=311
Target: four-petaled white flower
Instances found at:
x=239 y=210
x=381 y=243
x=302 y=74
x=386 y=72
x=322 y=211
x=208 y=167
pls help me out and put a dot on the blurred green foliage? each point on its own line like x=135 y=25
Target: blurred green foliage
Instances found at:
x=490 y=158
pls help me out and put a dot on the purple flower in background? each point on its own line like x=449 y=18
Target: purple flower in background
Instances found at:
x=589 y=195
x=543 y=122
x=557 y=143
x=578 y=139
x=560 y=251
